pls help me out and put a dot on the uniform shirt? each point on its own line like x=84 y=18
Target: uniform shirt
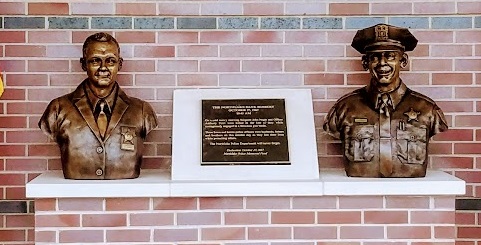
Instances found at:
x=69 y=120
x=376 y=145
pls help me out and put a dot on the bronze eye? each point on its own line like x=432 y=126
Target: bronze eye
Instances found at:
x=111 y=61
x=95 y=61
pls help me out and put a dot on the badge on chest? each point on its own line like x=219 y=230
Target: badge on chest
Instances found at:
x=128 y=138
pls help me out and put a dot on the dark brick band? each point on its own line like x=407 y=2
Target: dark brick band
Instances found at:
x=468 y=204
x=7 y=207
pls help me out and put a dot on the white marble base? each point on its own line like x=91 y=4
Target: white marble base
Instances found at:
x=154 y=183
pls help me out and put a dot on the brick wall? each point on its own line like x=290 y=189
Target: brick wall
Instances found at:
x=205 y=44
x=247 y=221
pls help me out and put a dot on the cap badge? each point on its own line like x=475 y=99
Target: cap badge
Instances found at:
x=382 y=32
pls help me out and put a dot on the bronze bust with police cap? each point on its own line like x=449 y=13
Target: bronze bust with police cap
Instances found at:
x=385 y=127
x=99 y=129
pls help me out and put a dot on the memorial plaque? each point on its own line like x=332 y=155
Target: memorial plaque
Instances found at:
x=244 y=132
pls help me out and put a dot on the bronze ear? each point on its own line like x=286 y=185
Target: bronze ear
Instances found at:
x=121 y=61
x=404 y=60
x=83 y=63
x=365 y=62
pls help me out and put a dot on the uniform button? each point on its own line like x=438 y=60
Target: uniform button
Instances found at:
x=99 y=172
x=100 y=149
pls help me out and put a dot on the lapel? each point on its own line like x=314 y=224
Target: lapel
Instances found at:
x=80 y=100
x=121 y=105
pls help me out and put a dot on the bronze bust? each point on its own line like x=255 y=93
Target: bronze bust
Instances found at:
x=98 y=128
x=385 y=127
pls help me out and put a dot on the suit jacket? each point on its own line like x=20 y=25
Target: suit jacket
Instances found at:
x=69 y=121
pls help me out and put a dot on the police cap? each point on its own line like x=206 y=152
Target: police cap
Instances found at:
x=383 y=36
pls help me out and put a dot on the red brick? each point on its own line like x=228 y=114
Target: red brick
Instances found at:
x=179 y=9
x=307 y=37
x=26 y=80
x=262 y=37
x=434 y=36
x=171 y=37
x=197 y=51
x=177 y=66
x=92 y=8
x=467 y=64
x=48 y=66
x=219 y=66
x=139 y=66
x=135 y=8
x=221 y=203
x=452 y=78
x=246 y=218
x=455 y=135
x=224 y=233
x=12 y=235
x=220 y=37
x=202 y=218
x=175 y=235
x=451 y=50
x=268 y=233
x=81 y=236
x=440 y=148
x=296 y=217
x=12 y=8
x=469 y=232
x=135 y=37
x=25 y=136
x=348 y=8
x=25 y=51
x=328 y=50
x=25 y=220
x=277 y=79
x=45 y=94
x=408 y=232
x=434 y=8
x=469 y=8
x=151 y=219
x=155 y=80
x=80 y=204
x=349 y=202
x=12 y=36
x=324 y=202
x=45 y=236
x=48 y=9
x=118 y=204
x=469 y=176
x=45 y=204
x=241 y=51
x=344 y=65
x=468 y=37
x=154 y=51
x=32 y=165
x=197 y=80
x=391 y=8
x=129 y=235
x=467 y=148
x=432 y=217
x=465 y=218
x=315 y=232
x=385 y=217
x=431 y=65
x=444 y=232
x=261 y=65
x=361 y=232
x=221 y=8
x=43 y=150
x=444 y=202
x=12 y=65
x=339 y=217
x=263 y=9
x=452 y=162
x=104 y=220
x=11 y=150
x=304 y=65
x=59 y=220
x=407 y=202
x=16 y=193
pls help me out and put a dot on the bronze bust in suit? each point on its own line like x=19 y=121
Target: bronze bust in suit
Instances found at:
x=99 y=129
x=385 y=127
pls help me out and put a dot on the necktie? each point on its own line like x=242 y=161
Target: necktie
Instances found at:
x=102 y=120
x=385 y=156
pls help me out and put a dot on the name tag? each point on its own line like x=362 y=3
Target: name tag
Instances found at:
x=360 y=120
x=128 y=138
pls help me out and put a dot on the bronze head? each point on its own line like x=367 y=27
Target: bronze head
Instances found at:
x=383 y=48
x=101 y=60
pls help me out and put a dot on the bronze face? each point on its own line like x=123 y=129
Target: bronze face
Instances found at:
x=384 y=66
x=102 y=62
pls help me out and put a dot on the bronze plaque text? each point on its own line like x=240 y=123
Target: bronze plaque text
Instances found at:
x=244 y=132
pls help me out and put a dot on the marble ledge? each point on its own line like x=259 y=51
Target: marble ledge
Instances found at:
x=155 y=183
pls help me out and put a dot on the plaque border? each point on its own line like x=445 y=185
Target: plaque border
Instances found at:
x=187 y=137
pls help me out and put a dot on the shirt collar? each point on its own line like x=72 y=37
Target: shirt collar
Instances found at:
x=94 y=99
x=396 y=95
